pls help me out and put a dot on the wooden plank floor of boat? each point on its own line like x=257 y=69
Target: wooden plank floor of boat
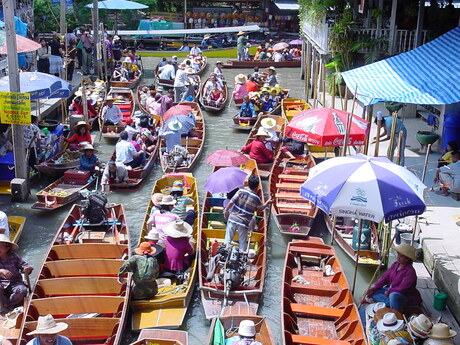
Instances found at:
x=151 y=318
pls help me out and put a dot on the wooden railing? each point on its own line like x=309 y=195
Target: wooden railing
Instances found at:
x=318 y=34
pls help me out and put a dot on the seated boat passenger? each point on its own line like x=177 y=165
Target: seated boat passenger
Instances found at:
x=153 y=237
x=126 y=153
x=240 y=86
x=88 y=160
x=215 y=98
x=148 y=142
x=144 y=94
x=158 y=219
x=47 y=332
x=182 y=203
x=257 y=149
x=268 y=104
x=247 y=108
x=167 y=71
x=172 y=135
x=111 y=114
x=77 y=106
x=81 y=135
x=271 y=78
x=293 y=148
x=114 y=173
x=246 y=334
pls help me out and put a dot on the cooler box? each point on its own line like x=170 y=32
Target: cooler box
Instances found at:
x=74 y=176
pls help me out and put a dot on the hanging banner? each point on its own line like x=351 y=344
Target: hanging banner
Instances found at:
x=15 y=108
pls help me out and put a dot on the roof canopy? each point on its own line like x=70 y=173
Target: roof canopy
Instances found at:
x=429 y=74
x=245 y=28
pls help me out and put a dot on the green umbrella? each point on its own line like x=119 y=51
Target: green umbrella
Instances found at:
x=218 y=334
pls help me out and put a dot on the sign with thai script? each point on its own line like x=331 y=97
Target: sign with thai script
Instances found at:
x=15 y=108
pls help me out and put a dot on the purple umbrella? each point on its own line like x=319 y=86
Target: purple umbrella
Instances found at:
x=296 y=42
x=225 y=180
x=186 y=121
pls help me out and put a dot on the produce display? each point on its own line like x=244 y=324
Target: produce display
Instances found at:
x=67 y=157
x=54 y=192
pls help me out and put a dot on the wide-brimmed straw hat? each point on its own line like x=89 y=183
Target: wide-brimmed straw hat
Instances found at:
x=109 y=98
x=272 y=69
x=88 y=146
x=175 y=125
x=379 y=314
x=81 y=124
x=177 y=229
x=420 y=326
x=47 y=325
x=407 y=250
x=219 y=62
x=241 y=78
x=156 y=198
x=268 y=123
x=182 y=65
x=247 y=328
x=372 y=308
x=240 y=33
x=5 y=239
x=145 y=249
x=441 y=331
x=153 y=235
x=262 y=132
x=168 y=200
x=390 y=322
x=190 y=70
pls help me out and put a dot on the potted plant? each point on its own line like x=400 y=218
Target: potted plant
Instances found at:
x=428 y=137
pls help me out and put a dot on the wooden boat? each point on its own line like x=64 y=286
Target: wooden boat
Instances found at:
x=292 y=106
x=317 y=306
x=265 y=169
x=16 y=225
x=293 y=214
x=226 y=52
x=138 y=98
x=130 y=84
x=213 y=108
x=54 y=167
x=343 y=235
x=161 y=337
x=168 y=308
x=238 y=101
x=213 y=226
x=59 y=193
x=203 y=66
x=194 y=145
x=243 y=123
x=231 y=323
x=77 y=283
x=261 y=64
x=124 y=99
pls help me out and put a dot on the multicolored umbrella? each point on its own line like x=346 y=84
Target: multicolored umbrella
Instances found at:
x=225 y=180
x=186 y=121
x=280 y=46
x=364 y=187
x=180 y=109
x=327 y=127
x=226 y=158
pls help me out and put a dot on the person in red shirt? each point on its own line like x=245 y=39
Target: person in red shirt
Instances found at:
x=257 y=150
x=82 y=134
x=77 y=107
x=251 y=85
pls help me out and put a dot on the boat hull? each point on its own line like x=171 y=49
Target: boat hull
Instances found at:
x=261 y=64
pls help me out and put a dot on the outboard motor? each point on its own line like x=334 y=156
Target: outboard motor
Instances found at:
x=232 y=276
x=94 y=207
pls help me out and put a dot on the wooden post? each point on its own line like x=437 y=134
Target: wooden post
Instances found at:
x=314 y=84
x=62 y=12
x=419 y=29
x=308 y=73
x=323 y=82
x=391 y=39
x=377 y=137
x=19 y=149
x=360 y=230
x=368 y=110
x=334 y=221
x=96 y=34
x=345 y=102
x=333 y=92
x=391 y=147
x=400 y=147
x=347 y=134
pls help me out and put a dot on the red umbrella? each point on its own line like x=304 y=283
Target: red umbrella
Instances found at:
x=180 y=109
x=327 y=127
x=280 y=46
x=23 y=45
x=226 y=158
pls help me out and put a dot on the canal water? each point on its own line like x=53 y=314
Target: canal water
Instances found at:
x=41 y=227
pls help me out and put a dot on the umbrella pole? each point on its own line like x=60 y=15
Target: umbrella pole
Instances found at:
x=360 y=229
x=391 y=147
x=347 y=135
x=377 y=136
x=334 y=221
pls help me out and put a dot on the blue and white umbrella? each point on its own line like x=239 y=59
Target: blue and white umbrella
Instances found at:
x=364 y=187
x=187 y=122
x=64 y=91
x=39 y=85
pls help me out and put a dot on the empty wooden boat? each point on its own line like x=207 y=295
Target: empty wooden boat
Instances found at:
x=292 y=106
x=16 y=225
x=214 y=297
x=123 y=99
x=130 y=84
x=317 y=306
x=265 y=169
x=186 y=160
x=77 y=283
x=231 y=323
x=343 y=235
x=57 y=165
x=161 y=337
x=167 y=309
x=212 y=107
x=293 y=214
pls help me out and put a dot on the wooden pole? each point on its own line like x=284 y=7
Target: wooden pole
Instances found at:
x=308 y=73
x=333 y=92
x=400 y=147
x=314 y=84
x=323 y=82
x=96 y=34
x=345 y=102
x=391 y=147
x=347 y=134
x=377 y=137
x=334 y=221
x=62 y=12
x=360 y=230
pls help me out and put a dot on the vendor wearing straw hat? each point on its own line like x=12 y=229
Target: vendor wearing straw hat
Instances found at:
x=47 y=331
x=12 y=289
x=178 y=246
x=240 y=86
x=257 y=149
x=145 y=270
x=240 y=44
x=271 y=78
x=269 y=124
x=111 y=114
x=88 y=160
x=397 y=287
x=81 y=136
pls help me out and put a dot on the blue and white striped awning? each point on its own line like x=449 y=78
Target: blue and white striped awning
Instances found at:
x=429 y=74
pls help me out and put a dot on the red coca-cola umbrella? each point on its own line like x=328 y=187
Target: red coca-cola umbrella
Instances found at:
x=327 y=127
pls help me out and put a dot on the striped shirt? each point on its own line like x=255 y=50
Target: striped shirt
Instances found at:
x=245 y=203
x=181 y=206
x=159 y=220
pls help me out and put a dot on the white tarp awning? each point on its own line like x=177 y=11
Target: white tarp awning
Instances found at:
x=289 y=7
x=245 y=28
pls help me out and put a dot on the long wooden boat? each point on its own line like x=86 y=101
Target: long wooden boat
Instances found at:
x=16 y=225
x=292 y=106
x=213 y=225
x=77 y=283
x=209 y=107
x=124 y=99
x=239 y=101
x=317 y=306
x=343 y=235
x=265 y=169
x=293 y=214
x=194 y=145
x=161 y=337
x=168 y=308
x=261 y=64
x=231 y=323
x=226 y=52
x=59 y=194
x=203 y=66
x=58 y=164
x=130 y=84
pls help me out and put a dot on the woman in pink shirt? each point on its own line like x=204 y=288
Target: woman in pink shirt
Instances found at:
x=159 y=219
x=240 y=86
x=179 y=245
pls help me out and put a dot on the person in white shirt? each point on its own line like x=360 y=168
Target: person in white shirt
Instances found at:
x=219 y=72
x=172 y=135
x=4 y=227
x=111 y=114
x=167 y=71
x=126 y=153
x=180 y=83
x=278 y=56
x=195 y=50
x=212 y=83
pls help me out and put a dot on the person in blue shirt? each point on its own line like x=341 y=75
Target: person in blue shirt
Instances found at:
x=47 y=332
x=399 y=128
x=247 y=108
x=88 y=160
x=268 y=103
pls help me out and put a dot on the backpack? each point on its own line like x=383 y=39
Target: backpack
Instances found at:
x=95 y=212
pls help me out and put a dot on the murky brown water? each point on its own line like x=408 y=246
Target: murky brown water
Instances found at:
x=41 y=227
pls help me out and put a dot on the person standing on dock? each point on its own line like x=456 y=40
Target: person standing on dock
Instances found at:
x=87 y=51
x=240 y=45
